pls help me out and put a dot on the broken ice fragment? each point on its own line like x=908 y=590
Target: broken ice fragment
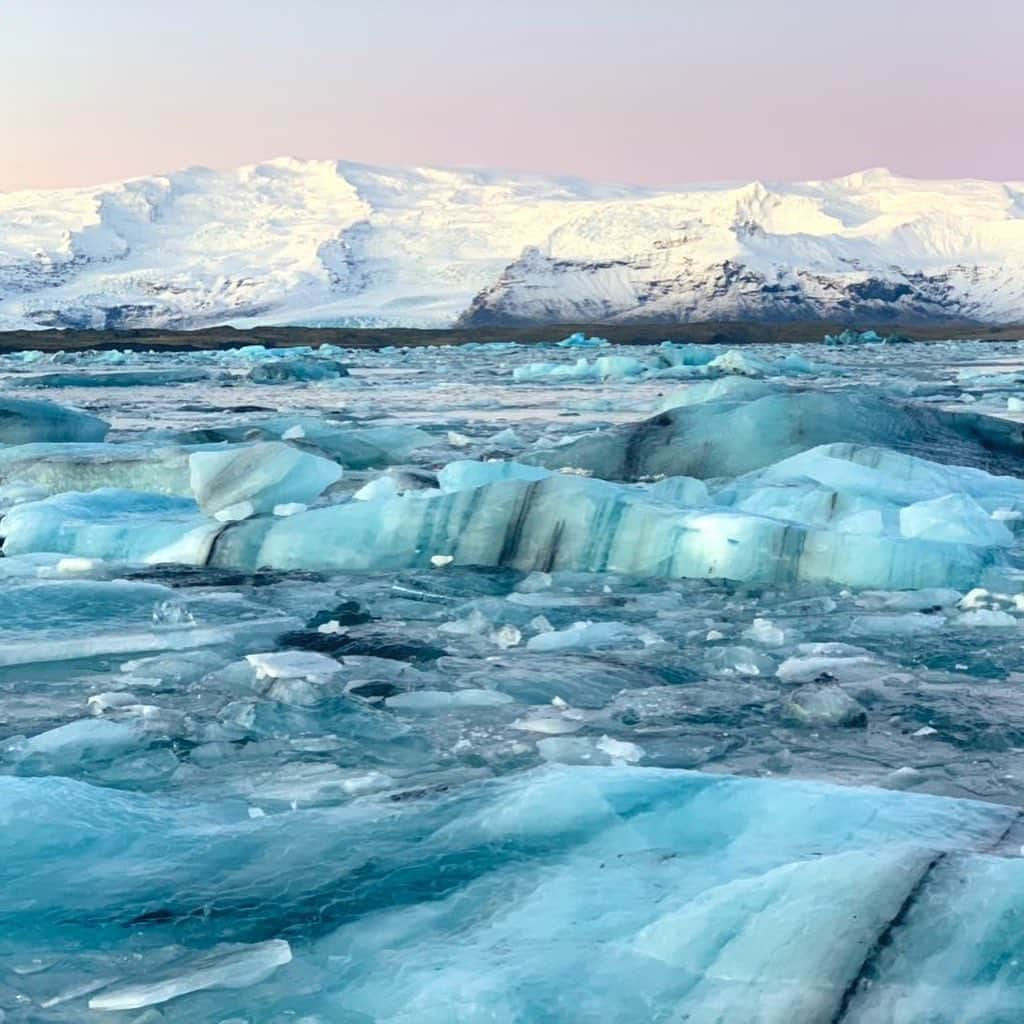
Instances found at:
x=228 y=966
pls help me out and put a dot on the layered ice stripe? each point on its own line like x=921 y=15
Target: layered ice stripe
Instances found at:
x=550 y=524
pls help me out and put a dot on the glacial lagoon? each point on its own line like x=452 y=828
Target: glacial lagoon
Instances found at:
x=531 y=685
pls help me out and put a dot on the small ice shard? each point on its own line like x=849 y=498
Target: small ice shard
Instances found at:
x=584 y=750
x=620 y=751
x=988 y=618
x=902 y=778
x=555 y=720
x=925 y=731
x=830 y=706
x=234 y=513
x=507 y=636
x=261 y=475
x=75 y=566
x=227 y=966
x=447 y=700
x=289 y=508
x=294 y=665
x=375 y=490
x=737 y=660
x=583 y=635
x=581 y=340
x=764 y=631
x=457 y=440
x=440 y=561
x=842 y=662
x=294 y=433
x=88 y=739
x=506 y=438
x=111 y=700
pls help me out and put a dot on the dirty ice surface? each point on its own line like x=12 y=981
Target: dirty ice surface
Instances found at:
x=527 y=685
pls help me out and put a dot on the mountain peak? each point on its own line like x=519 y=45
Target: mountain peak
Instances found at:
x=324 y=241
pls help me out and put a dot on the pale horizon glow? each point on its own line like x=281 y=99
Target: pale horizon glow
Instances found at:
x=658 y=92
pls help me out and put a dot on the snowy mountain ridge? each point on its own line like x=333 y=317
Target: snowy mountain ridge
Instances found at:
x=326 y=242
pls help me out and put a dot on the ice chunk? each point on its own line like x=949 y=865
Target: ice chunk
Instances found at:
x=26 y=421
x=988 y=618
x=466 y=474
x=727 y=438
x=783 y=945
x=231 y=966
x=584 y=750
x=660 y=894
x=293 y=665
x=581 y=340
x=128 y=378
x=816 y=706
x=88 y=739
x=732 y=389
x=57 y=468
x=259 y=476
x=445 y=700
x=955 y=517
x=351 y=447
x=587 y=635
x=602 y=368
x=123 y=526
x=296 y=368
x=953 y=954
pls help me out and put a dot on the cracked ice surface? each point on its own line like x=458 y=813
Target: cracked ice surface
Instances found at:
x=512 y=684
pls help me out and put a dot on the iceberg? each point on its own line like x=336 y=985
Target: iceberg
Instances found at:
x=119 y=525
x=581 y=340
x=351 y=447
x=134 y=466
x=728 y=438
x=24 y=421
x=555 y=522
x=91 y=378
x=235 y=483
x=296 y=369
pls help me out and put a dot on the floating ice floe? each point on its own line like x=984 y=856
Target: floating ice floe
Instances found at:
x=25 y=421
x=726 y=438
x=238 y=482
x=296 y=370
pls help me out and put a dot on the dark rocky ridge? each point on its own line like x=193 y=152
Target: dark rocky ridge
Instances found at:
x=719 y=332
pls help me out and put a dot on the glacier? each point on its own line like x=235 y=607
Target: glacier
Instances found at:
x=322 y=242
x=683 y=689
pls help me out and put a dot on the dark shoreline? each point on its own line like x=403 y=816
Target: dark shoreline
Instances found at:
x=712 y=333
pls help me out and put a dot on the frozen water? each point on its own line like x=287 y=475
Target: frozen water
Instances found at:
x=258 y=476
x=24 y=420
x=546 y=710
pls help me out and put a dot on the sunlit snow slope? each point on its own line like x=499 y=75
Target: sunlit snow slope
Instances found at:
x=326 y=242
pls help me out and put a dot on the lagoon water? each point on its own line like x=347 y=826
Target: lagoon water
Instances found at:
x=564 y=683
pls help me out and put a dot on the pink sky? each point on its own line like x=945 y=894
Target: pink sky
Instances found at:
x=651 y=92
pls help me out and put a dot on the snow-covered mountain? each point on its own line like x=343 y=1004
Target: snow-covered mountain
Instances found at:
x=328 y=242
